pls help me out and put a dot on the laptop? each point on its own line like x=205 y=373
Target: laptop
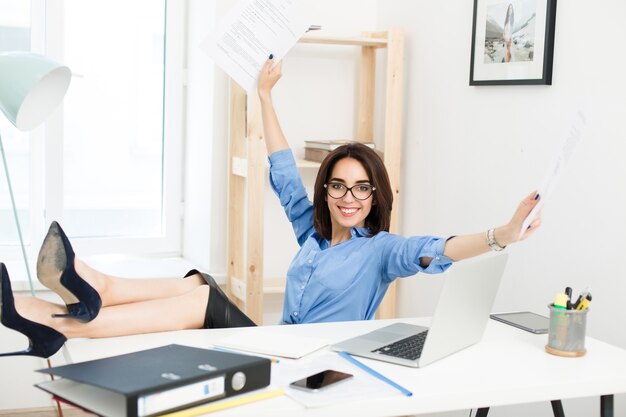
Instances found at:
x=459 y=320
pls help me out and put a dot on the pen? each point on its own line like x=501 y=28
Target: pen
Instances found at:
x=568 y=292
x=581 y=297
x=372 y=372
x=221 y=349
x=584 y=304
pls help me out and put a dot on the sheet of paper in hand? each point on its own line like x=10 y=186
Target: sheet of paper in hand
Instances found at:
x=564 y=153
x=250 y=32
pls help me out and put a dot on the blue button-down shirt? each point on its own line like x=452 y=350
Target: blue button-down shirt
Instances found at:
x=346 y=281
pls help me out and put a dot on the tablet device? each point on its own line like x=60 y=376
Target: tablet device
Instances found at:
x=525 y=320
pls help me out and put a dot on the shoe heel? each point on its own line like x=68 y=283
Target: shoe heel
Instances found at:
x=43 y=341
x=83 y=316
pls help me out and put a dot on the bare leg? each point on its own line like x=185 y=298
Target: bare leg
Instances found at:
x=185 y=311
x=57 y=260
x=116 y=290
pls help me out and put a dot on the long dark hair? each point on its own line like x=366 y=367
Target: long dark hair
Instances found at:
x=379 y=217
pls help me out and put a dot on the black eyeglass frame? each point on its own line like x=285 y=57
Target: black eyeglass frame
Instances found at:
x=372 y=189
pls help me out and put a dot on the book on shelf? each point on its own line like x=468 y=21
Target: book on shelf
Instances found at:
x=331 y=145
x=316 y=151
x=315 y=155
x=154 y=381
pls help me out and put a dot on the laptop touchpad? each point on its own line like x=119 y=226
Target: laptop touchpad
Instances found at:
x=394 y=333
x=382 y=336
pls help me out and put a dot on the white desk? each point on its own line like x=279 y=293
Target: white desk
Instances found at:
x=509 y=366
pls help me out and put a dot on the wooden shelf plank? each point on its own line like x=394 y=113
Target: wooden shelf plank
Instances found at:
x=334 y=40
x=239 y=166
x=303 y=163
x=274 y=285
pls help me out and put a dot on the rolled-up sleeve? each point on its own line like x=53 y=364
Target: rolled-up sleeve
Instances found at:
x=402 y=255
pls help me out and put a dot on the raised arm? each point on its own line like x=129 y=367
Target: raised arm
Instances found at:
x=274 y=138
x=467 y=246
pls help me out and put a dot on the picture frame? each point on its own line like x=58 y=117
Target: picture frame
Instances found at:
x=512 y=42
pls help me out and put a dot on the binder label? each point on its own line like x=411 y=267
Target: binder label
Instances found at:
x=166 y=400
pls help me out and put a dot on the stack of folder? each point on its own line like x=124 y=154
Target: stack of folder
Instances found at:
x=155 y=381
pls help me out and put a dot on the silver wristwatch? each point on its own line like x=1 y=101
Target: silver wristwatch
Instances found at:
x=491 y=241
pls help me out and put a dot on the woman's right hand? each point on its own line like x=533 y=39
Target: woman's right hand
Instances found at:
x=272 y=133
x=268 y=78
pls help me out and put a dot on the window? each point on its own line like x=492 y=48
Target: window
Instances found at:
x=108 y=165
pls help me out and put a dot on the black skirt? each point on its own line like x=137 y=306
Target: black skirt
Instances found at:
x=220 y=311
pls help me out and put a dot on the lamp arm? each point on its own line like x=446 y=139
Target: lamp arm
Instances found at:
x=17 y=221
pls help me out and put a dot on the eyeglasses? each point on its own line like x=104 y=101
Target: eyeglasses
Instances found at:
x=359 y=191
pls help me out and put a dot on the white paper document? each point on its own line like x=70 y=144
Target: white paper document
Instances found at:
x=565 y=151
x=272 y=343
x=250 y=32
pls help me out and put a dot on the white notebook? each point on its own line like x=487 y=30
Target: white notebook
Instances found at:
x=272 y=343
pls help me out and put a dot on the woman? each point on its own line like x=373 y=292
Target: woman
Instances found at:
x=347 y=258
x=507 y=33
x=346 y=261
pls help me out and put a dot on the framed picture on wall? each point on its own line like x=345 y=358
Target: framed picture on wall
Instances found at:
x=512 y=42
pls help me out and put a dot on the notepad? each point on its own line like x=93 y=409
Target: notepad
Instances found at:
x=272 y=343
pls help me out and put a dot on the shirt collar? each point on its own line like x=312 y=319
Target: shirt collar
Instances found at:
x=359 y=231
x=354 y=232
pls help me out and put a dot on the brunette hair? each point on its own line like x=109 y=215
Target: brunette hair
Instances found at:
x=379 y=217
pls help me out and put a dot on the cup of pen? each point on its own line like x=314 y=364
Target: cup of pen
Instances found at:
x=566 y=336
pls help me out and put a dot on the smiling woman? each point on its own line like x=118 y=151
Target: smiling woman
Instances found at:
x=368 y=204
x=347 y=257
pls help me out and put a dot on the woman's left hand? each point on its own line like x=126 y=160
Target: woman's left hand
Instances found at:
x=511 y=232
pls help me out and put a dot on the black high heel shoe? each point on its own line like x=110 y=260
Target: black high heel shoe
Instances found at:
x=43 y=341
x=55 y=270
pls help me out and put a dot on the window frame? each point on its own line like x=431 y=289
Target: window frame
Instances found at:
x=46 y=146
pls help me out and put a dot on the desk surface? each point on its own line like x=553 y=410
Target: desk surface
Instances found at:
x=509 y=366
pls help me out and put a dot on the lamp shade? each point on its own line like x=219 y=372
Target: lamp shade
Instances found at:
x=31 y=87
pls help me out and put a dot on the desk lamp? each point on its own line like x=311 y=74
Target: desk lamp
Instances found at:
x=31 y=87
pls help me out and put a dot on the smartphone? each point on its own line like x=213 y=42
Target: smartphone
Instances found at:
x=525 y=320
x=320 y=380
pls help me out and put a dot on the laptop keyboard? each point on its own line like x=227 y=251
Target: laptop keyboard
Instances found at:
x=407 y=348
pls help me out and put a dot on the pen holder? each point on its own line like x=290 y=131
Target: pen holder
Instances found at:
x=566 y=336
